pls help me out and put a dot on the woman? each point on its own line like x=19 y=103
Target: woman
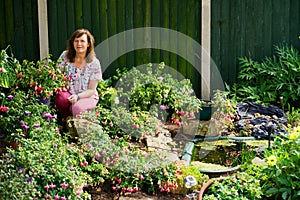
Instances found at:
x=83 y=71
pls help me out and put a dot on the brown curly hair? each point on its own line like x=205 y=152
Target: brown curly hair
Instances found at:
x=71 y=53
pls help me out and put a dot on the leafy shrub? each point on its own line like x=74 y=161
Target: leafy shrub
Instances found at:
x=281 y=179
x=156 y=89
x=240 y=186
x=265 y=82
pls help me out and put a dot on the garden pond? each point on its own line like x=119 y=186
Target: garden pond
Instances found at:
x=225 y=155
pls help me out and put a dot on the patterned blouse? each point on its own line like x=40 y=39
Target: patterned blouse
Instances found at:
x=79 y=77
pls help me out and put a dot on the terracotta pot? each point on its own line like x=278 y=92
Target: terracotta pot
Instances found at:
x=204 y=188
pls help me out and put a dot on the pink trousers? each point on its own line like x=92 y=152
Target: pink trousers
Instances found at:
x=65 y=108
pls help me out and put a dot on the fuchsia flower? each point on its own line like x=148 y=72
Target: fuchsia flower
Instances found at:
x=4 y=109
x=163 y=107
x=3 y=70
x=36 y=125
x=135 y=189
x=63 y=198
x=10 y=97
x=64 y=185
x=47 y=187
x=56 y=197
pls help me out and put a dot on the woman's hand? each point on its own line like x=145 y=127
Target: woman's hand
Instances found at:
x=73 y=98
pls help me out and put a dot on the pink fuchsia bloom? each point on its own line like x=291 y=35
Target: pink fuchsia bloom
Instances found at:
x=118 y=180
x=64 y=185
x=163 y=107
x=97 y=155
x=135 y=189
x=56 y=197
x=3 y=70
x=52 y=186
x=47 y=196
x=4 y=109
x=47 y=187
x=135 y=126
x=63 y=198
x=142 y=177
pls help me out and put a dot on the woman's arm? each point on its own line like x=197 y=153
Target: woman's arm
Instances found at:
x=87 y=93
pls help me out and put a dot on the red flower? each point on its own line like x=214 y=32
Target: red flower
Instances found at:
x=4 y=109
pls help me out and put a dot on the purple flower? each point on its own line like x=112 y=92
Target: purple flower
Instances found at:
x=47 y=115
x=10 y=97
x=20 y=169
x=28 y=179
x=72 y=169
x=22 y=123
x=25 y=127
x=27 y=113
x=36 y=125
x=163 y=107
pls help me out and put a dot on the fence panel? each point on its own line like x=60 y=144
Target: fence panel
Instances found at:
x=19 y=28
x=251 y=28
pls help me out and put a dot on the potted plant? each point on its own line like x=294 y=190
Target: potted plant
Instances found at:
x=206 y=110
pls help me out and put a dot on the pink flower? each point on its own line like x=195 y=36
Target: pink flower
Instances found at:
x=63 y=198
x=97 y=155
x=135 y=189
x=129 y=189
x=47 y=187
x=64 y=185
x=142 y=177
x=52 y=186
x=56 y=197
x=3 y=70
x=114 y=188
x=4 y=109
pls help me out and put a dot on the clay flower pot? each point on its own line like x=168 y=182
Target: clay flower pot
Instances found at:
x=204 y=188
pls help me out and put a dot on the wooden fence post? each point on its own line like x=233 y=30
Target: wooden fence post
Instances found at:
x=205 y=51
x=43 y=28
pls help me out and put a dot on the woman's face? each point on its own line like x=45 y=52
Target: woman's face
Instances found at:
x=81 y=44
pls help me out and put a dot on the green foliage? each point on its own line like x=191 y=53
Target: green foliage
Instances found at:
x=192 y=171
x=7 y=70
x=293 y=115
x=224 y=114
x=281 y=179
x=240 y=186
x=157 y=89
x=266 y=81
